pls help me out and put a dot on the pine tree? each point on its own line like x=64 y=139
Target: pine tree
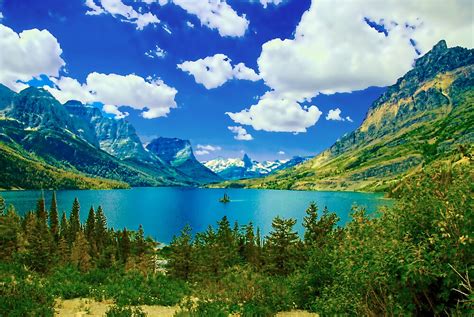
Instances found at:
x=317 y=230
x=74 y=221
x=228 y=243
x=41 y=213
x=2 y=205
x=40 y=242
x=124 y=245
x=100 y=228
x=10 y=230
x=64 y=227
x=180 y=262
x=250 y=250
x=63 y=253
x=54 y=218
x=140 y=243
x=282 y=247
x=80 y=256
x=89 y=229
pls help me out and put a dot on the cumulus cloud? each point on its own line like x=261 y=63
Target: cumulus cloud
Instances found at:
x=277 y=114
x=190 y=25
x=334 y=49
x=214 y=71
x=1 y=16
x=206 y=149
x=281 y=152
x=27 y=55
x=240 y=133
x=112 y=109
x=330 y=57
x=216 y=14
x=335 y=115
x=153 y=97
x=265 y=3
x=118 y=9
x=156 y=52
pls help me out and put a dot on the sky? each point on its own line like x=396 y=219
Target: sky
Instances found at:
x=271 y=78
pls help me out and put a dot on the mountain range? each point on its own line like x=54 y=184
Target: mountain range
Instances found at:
x=44 y=144
x=236 y=168
x=426 y=116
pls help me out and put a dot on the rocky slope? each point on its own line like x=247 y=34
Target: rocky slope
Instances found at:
x=426 y=115
x=179 y=154
x=236 y=168
x=75 y=141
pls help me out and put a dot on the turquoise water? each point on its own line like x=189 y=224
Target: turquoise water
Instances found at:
x=163 y=211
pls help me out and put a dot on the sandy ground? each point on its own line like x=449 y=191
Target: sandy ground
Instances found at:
x=89 y=308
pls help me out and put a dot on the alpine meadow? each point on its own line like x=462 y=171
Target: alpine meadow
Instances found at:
x=236 y=158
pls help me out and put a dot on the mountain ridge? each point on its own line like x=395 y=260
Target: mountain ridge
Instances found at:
x=426 y=115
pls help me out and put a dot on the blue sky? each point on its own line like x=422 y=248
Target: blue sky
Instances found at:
x=298 y=64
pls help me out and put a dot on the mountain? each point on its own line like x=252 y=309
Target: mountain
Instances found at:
x=426 y=116
x=235 y=168
x=77 y=141
x=179 y=154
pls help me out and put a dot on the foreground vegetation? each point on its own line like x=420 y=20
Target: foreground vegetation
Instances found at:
x=415 y=258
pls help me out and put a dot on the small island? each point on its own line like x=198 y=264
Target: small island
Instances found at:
x=225 y=199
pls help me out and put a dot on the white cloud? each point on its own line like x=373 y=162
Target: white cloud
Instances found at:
x=153 y=97
x=206 y=149
x=214 y=71
x=1 y=15
x=329 y=56
x=118 y=9
x=335 y=50
x=240 y=133
x=189 y=24
x=243 y=72
x=166 y=29
x=216 y=14
x=281 y=152
x=27 y=55
x=334 y=114
x=265 y=3
x=111 y=109
x=277 y=114
x=156 y=52
x=209 y=147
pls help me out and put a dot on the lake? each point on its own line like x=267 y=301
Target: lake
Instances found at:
x=163 y=211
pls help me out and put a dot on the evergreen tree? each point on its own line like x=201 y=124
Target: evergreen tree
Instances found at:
x=80 y=256
x=100 y=228
x=282 y=247
x=41 y=241
x=317 y=230
x=227 y=242
x=54 y=218
x=180 y=263
x=64 y=227
x=63 y=252
x=41 y=213
x=140 y=243
x=10 y=230
x=124 y=245
x=74 y=221
x=250 y=249
x=2 y=205
x=89 y=229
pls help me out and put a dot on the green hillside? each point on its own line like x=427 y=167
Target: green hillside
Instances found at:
x=426 y=116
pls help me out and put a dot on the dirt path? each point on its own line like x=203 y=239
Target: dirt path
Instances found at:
x=83 y=307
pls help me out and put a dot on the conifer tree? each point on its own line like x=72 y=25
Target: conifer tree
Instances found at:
x=282 y=247
x=124 y=245
x=228 y=243
x=41 y=241
x=74 y=221
x=250 y=251
x=63 y=254
x=41 y=213
x=64 y=227
x=10 y=230
x=54 y=218
x=100 y=228
x=180 y=262
x=2 y=205
x=317 y=230
x=89 y=229
x=80 y=256
x=140 y=243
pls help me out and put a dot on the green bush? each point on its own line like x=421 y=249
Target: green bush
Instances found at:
x=121 y=311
